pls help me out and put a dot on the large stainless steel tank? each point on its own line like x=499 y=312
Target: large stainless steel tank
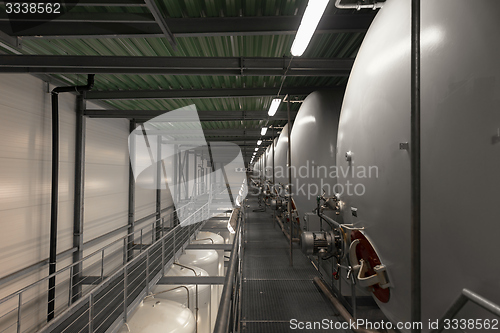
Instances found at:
x=460 y=151
x=269 y=163
x=281 y=157
x=314 y=148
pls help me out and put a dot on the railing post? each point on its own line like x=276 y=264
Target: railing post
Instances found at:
x=147 y=271
x=175 y=241
x=91 y=307
x=140 y=249
x=125 y=284
x=125 y=249
x=70 y=297
x=163 y=256
x=102 y=265
x=19 y=306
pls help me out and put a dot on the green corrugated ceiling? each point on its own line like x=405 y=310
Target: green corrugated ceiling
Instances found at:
x=325 y=45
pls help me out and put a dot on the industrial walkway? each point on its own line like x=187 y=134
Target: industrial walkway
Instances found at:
x=273 y=292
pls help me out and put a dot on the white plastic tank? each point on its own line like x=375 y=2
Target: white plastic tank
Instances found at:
x=206 y=237
x=179 y=294
x=160 y=316
x=314 y=148
x=460 y=151
x=207 y=260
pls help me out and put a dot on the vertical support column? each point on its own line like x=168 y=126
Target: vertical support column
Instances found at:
x=265 y=165
x=131 y=194
x=416 y=310
x=175 y=195
x=158 y=188
x=54 y=206
x=195 y=178
x=228 y=185
x=273 y=157
x=78 y=209
x=186 y=174
x=213 y=178
x=290 y=178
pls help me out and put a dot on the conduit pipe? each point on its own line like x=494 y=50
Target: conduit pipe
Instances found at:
x=55 y=185
x=415 y=169
x=358 y=6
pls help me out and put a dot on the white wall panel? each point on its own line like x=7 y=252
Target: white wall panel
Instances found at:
x=25 y=184
x=25 y=164
x=145 y=200
x=106 y=180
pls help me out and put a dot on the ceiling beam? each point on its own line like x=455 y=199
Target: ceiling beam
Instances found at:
x=181 y=27
x=71 y=18
x=233 y=139
x=233 y=115
x=224 y=132
x=249 y=66
x=111 y=3
x=202 y=93
x=157 y=14
x=9 y=40
x=246 y=144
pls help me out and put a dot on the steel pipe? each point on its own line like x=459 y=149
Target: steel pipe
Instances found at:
x=416 y=292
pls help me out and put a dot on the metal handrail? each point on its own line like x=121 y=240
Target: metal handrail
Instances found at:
x=123 y=270
x=97 y=257
x=119 y=240
x=465 y=296
x=26 y=270
x=227 y=303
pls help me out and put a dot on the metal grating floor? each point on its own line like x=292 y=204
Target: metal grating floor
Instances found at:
x=273 y=292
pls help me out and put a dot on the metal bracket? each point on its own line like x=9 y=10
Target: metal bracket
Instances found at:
x=404 y=146
x=348 y=156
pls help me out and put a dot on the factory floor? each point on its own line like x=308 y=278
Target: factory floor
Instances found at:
x=273 y=292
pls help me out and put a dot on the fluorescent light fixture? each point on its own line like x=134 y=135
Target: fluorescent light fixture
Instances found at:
x=274 y=106
x=312 y=15
x=263 y=131
x=256 y=149
x=259 y=142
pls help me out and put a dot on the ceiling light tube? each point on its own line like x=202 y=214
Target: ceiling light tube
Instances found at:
x=256 y=149
x=312 y=15
x=259 y=142
x=274 y=106
x=263 y=131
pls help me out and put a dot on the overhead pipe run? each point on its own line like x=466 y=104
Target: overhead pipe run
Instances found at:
x=359 y=5
x=55 y=185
